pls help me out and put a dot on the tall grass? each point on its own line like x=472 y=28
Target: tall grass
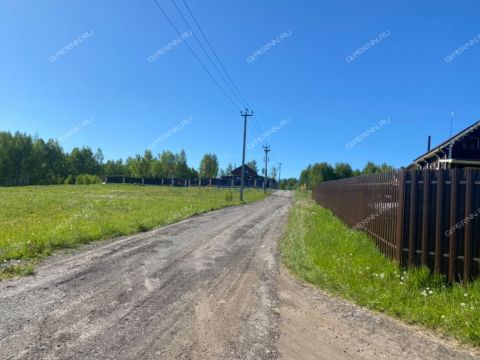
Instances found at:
x=318 y=247
x=36 y=220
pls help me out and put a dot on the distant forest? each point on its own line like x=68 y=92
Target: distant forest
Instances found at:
x=27 y=160
x=319 y=172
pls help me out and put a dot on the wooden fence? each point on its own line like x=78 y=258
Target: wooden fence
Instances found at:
x=418 y=217
x=223 y=182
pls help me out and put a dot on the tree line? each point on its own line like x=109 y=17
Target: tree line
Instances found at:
x=323 y=171
x=27 y=160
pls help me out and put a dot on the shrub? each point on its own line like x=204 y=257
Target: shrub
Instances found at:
x=70 y=180
x=87 y=179
x=229 y=196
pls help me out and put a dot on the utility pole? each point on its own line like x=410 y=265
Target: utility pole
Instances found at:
x=245 y=115
x=279 y=171
x=266 y=148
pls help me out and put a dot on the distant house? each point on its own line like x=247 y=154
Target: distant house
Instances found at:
x=249 y=173
x=251 y=177
x=460 y=151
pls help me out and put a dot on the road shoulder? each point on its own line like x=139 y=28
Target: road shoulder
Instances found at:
x=315 y=325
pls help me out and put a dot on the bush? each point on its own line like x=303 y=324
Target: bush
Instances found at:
x=87 y=179
x=70 y=180
x=229 y=196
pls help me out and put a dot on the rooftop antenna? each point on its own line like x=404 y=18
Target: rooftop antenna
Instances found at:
x=451 y=123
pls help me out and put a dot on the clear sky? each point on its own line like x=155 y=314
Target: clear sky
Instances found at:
x=410 y=75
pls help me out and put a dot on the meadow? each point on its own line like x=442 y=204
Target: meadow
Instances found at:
x=36 y=220
x=322 y=250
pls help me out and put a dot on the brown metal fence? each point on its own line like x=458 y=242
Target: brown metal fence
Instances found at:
x=419 y=217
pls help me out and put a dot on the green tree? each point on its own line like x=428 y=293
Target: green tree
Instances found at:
x=181 y=167
x=305 y=176
x=252 y=165
x=209 y=166
x=321 y=172
x=343 y=170
x=166 y=165
x=370 y=168
x=82 y=161
x=112 y=167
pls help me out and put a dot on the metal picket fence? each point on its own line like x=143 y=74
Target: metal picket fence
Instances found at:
x=418 y=217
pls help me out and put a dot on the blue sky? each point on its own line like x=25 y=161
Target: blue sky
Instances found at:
x=305 y=77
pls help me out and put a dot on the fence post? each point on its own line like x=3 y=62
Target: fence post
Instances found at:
x=413 y=219
x=143 y=181
x=425 y=216
x=467 y=245
x=400 y=215
x=123 y=181
x=452 y=259
x=439 y=226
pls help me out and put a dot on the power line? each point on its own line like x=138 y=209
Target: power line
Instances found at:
x=196 y=57
x=256 y=124
x=253 y=130
x=208 y=55
x=214 y=53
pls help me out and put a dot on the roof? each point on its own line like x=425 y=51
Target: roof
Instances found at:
x=449 y=142
x=239 y=169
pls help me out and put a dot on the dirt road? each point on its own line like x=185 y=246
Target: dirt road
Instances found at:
x=210 y=287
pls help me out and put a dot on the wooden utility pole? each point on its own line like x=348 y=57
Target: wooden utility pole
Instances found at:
x=245 y=115
x=266 y=148
x=279 y=171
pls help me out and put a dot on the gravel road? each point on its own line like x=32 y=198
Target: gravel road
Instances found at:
x=210 y=287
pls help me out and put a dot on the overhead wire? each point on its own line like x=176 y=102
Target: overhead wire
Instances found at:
x=215 y=53
x=196 y=57
x=208 y=55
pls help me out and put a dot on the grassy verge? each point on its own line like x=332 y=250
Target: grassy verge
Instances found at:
x=319 y=248
x=36 y=220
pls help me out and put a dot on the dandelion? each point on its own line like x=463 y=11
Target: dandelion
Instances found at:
x=443 y=316
x=463 y=304
x=466 y=295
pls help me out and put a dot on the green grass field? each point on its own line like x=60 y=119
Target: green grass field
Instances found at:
x=319 y=248
x=36 y=220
